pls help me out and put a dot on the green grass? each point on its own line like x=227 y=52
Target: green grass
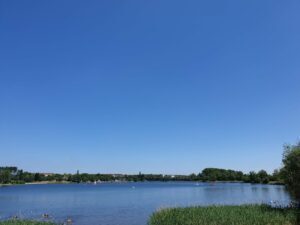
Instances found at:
x=24 y=222
x=224 y=215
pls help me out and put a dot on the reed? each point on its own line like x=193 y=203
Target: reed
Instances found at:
x=225 y=215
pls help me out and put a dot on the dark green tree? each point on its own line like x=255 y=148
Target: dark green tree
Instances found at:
x=5 y=176
x=291 y=169
x=253 y=177
x=141 y=177
x=263 y=177
x=193 y=177
x=37 y=177
x=77 y=177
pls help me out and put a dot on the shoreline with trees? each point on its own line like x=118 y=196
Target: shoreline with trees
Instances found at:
x=13 y=176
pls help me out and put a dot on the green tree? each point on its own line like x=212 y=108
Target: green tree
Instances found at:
x=20 y=175
x=193 y=177
x=263 y=176
x=77 y=177
x=37 y=177
x=277 y=175
x=291 y=169
x=253 y=177
x=5 y=176
x=141 y=177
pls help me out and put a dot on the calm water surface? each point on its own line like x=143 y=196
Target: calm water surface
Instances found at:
x=125 y=203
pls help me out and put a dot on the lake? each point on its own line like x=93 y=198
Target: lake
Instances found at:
x=125 y=203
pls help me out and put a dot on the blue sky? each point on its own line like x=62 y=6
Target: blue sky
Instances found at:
x=151 y=86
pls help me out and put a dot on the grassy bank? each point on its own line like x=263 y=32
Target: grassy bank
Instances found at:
x=24 y=222
x=224 y=215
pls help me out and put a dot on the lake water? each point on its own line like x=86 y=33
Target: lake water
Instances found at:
x=125 y=203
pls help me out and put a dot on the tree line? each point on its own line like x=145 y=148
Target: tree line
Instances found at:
x=18 y=176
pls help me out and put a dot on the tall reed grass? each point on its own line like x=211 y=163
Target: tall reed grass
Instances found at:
x=225 y=215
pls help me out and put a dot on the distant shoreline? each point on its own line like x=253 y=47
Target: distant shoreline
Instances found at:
x=36 y=183
x=48 y=182
x=106 y=182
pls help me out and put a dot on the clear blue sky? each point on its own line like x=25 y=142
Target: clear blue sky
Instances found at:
x=151 y=86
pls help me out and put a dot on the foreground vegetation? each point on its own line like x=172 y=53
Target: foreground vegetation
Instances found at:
x=225 y=215
x=24 y=222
